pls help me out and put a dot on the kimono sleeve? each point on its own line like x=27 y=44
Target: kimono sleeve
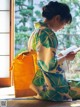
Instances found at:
x=46 y=51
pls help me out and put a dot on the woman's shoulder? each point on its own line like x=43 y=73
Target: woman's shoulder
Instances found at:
x=42 y=26
x=47 y=31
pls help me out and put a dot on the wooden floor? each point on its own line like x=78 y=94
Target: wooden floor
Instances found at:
x=7 y=95
x=38 y=103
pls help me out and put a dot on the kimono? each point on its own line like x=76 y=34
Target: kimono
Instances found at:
x=49 y=82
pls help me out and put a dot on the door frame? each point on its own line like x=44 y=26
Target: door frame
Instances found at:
x=5 y=82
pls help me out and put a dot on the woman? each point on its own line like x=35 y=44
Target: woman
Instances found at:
x=49 y=82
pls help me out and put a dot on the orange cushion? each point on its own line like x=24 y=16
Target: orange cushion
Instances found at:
x=24 y=68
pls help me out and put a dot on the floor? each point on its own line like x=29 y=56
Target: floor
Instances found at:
x=7 y=93
x=7 y=96
x=38 y=103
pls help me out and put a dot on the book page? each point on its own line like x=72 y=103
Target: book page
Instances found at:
x=68 y=50
x=76 y=50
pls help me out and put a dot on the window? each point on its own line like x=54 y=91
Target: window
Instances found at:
x=6 y=39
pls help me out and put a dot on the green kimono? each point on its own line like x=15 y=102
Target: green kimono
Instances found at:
x=49 y=82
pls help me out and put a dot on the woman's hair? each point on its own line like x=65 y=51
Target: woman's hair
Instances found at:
x=55 y=8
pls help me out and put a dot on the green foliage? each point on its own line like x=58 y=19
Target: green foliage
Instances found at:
x=33 y=19
x=23 y=28
x=78 y=55
x=30 y=7
x=19 y=2
x=23 y=20
x=38 y=13
x=21 y=42
x=19 y=51
x=42 y=3
x=16 y=29
x=21 y=37
x=25 y=12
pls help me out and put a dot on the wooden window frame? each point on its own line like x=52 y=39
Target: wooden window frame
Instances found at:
x=4 y=82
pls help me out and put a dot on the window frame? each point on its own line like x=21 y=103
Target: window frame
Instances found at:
x=9 y=81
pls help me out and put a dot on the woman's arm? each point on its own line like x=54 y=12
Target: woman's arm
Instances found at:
x=69 y=57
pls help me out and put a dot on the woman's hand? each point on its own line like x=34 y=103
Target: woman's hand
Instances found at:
x=70 y=56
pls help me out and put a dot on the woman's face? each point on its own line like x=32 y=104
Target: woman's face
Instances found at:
x=58 y=24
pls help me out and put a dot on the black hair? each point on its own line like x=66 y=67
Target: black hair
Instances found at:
x=55 y=8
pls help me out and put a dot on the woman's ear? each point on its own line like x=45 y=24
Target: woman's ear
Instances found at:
x=57 y=18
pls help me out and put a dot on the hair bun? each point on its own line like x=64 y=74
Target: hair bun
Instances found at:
x=51 y=3
x=55 y=8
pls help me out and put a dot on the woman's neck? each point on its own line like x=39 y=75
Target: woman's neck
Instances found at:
x=49 y=24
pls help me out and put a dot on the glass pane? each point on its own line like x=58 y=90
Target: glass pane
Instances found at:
x=4 y=4
x=4 y=66
x=4 y=44
x=4 y=21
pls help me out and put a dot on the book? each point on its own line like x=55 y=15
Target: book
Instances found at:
x=74 y=49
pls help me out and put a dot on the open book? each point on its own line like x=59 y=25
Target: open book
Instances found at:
x=74 y=49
